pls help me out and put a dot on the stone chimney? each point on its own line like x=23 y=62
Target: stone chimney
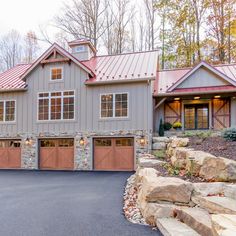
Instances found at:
x=82 y=49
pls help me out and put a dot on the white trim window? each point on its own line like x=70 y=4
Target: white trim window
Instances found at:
x=7 y=111
x=56 y=105
x=56 y=73
x=80 y=48
x=114 y=105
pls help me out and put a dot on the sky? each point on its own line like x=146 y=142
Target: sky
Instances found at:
x=25 y=15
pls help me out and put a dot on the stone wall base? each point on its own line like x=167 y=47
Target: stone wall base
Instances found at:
x=83 y=154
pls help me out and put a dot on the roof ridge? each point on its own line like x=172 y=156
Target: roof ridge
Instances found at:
x=121 y=54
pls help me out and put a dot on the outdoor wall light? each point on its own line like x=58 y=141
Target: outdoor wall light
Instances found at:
x=142 y=140
x=81 y=141
x=217 y=96
x=27 y=141
x=176 y=99
x=196 y=98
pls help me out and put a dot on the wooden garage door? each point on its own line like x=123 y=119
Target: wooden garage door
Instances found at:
x=114 y=154
x=10 y=154
x=57 y=154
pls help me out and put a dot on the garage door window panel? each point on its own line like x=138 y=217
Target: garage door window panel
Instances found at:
x=124 y=142
x=103 y=142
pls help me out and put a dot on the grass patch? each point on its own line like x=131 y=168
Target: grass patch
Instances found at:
x=160 y=154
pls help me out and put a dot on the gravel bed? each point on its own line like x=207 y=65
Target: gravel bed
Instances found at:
x=131 y=211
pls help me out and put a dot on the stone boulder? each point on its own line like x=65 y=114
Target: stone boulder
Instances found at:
x=195 y=160
x=196 y=218
x=230 y=191
x=144 y=172
x=166 y=189
x=218 y=169
x=178 y=142
x=152 y=211
x=208 y=189
x=149 y=163
x=159 y=146
x=179 y=157
x=160 y=140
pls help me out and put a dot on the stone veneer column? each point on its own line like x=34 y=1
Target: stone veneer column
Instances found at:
x=29 y=155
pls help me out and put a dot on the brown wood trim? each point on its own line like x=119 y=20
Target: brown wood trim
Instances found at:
x=55 y=60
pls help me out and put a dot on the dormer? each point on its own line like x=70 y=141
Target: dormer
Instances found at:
x=82 y=49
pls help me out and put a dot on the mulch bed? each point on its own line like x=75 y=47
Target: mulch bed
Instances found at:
x=217 y=146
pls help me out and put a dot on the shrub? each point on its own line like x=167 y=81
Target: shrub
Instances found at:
x=167 y=126
x=177 y=125
x=230 y=134
x=161 y=129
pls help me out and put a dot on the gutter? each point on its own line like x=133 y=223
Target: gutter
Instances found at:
x=122 y=81
x=14 y=90
x=194 y=93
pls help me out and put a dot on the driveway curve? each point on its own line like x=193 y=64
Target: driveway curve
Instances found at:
x=54 y=203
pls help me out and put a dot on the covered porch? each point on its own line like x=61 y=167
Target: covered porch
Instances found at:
x=200 y=98
x=199 y=111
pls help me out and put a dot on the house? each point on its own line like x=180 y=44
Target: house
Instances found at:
x=77 y=111
x=202 y=97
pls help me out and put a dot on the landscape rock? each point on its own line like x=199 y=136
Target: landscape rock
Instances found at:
x=159 y=146
x=208 y=189
x=152 y=163
x=160 y=139
x=142 y=172
x=216 y=204
x=178 y=142
x=155 y=210
x=230 y=190
x=195 y=160
x=166 y=189
x=224 y=224
x=196 y=218
x=218 y=169
x=179 y=157
x=173 y=227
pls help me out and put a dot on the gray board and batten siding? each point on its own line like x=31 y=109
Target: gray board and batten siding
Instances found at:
x=87 y=104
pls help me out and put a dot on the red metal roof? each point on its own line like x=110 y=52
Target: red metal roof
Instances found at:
x=168 y=78
x=124 y=67
x=10 y=79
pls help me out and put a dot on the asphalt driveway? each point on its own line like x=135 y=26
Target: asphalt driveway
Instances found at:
x=44 y=203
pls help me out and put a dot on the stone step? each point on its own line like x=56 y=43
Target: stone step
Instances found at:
x=173 y=227
x=196 y=218
x=224 y=224
x=216 y=205
x=148 y=162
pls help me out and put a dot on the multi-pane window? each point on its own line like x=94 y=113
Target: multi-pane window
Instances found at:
x=114 y=105
x=121 y=101
x=7 y=111
x=56 y=73
x=56 y=106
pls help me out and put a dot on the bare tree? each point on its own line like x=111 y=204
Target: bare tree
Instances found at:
x=31 y=47
x=150 y=17
x=82 y=19
x=122 y=19
x=10 y=49
x=108 y=28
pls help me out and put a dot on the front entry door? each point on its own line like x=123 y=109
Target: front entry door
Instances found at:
x=196 y=116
